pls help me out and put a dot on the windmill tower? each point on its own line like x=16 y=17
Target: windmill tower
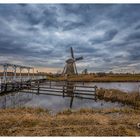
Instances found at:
x=85 y=71
x=70 y=67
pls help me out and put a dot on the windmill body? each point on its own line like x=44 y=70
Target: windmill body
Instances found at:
x=70 y=67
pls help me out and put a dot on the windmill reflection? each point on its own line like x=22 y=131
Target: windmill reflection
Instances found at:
x=70 y=91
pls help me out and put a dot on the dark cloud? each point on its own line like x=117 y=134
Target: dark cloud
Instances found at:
x=50 y=18
x=137 y=27
x=133 y=36
x=90 y=13
x=134 y=53
x=31 y=18
x=109 y=35
x=106 y=35
x=23 y=5
x=72 y=25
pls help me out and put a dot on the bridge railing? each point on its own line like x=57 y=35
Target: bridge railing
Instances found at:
x=10 y=79
x=19 y=80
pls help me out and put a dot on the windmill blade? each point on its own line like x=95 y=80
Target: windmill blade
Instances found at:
x=72 y=54
x=79 y=58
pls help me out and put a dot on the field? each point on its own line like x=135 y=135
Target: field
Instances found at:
x=88 y=77
x=100 y=78
x=84 y=122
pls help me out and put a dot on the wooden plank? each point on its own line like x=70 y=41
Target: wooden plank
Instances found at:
x=61 y=90
x=56 y=91
x=71 y=86
x=58 y=95
x=67 y=89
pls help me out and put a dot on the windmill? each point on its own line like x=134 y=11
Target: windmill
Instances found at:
x=85 y=71
x=70 y=67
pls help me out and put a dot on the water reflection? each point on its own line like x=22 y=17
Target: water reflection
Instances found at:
x=56 y=104
x=53 y=103
x=13 y=100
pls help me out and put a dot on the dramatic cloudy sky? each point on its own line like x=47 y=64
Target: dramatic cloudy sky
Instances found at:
x=107 y=36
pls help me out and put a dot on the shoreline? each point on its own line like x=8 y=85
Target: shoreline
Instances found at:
x=93 y=78
x=115 y=95
x=129 y=81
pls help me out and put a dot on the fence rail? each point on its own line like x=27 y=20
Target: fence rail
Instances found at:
x=49 y=88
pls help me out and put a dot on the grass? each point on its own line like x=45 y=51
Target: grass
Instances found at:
x=83 y=122
x=120 y=96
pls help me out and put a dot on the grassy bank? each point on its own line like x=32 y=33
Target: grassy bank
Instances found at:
x=96 y=78
x=85 y=122
x=119 y=96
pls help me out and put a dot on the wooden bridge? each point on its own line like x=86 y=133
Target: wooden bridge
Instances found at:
x=17 y=80
x=7 y=78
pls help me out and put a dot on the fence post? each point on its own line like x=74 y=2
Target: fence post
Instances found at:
x=38 y=88
x=95 y=93
x=71 y=101
x=63 y=91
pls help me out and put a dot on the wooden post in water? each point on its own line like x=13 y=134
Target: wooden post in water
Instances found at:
x=71 y=101
x=70 y=91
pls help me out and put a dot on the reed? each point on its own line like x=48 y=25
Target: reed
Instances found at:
x=96 y=78
x=114 y=95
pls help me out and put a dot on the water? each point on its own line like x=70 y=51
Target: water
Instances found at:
x=56 y=104
x=53 y=103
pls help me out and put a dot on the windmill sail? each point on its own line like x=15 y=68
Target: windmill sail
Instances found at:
x=79 y=58
x=72 y=55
